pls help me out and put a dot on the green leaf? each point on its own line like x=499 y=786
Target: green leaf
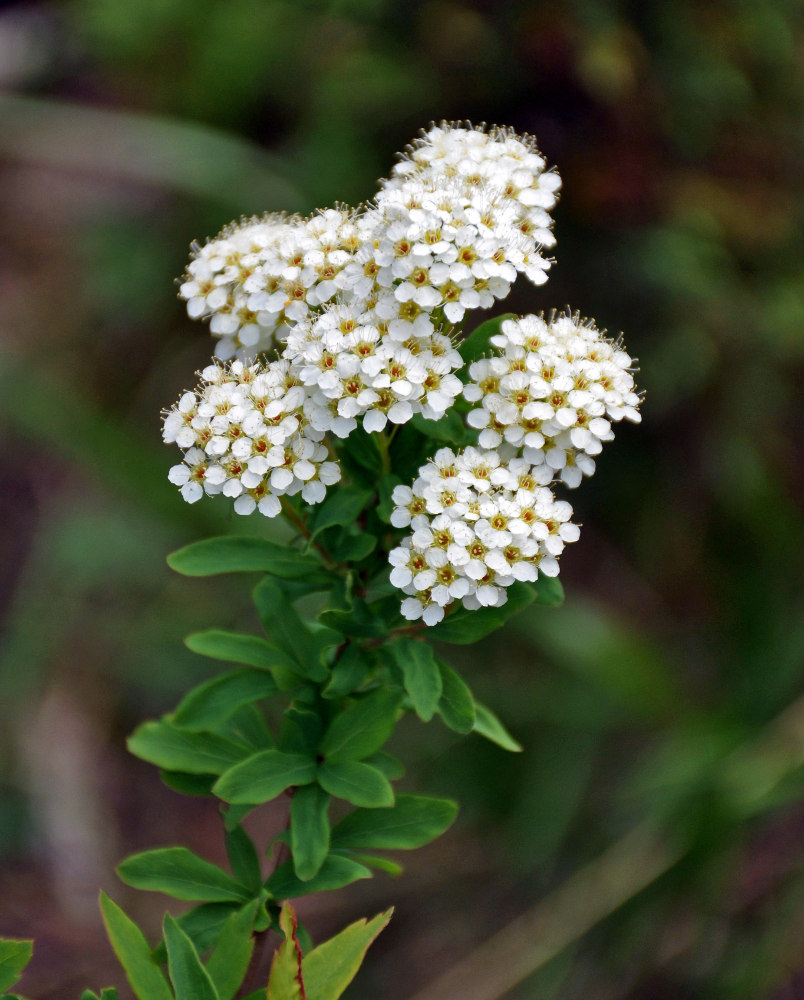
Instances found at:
x=175 y=749
x=392 y=767
x=239 y=647
x=330 y=967
x=264 y=776
x=464 y=627
x=109 y=993
x=286 y=628
x=385 y=489
x=309 y=830
x=86 y=995
x=14 y=956
x=342 y=507
x=413 y=821
x=488 y=725
x=362 y=728
x=549 y=591
x=301 y=730
x=189 y=977
x=178 y=872
x=392 y=868
x=203 y=925
x=245 y=554
x=450 y=429
x=229 y=962
x=210 y=703
x=420 y=673
x=188 y=784
x=349 y=672
x=286 y=969
x=457 y=706
x=335 y=873
x=243 y=858
x=349 y=547
x=133 y=953
x=358 y=783
x=477 y=344
x=361 y=454
x=247 y=725
x=357 y=620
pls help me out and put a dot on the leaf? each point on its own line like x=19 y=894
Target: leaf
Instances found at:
x=449 y=429
x=413 y=821
x=335 y=873
x=392 y=767
x=301 y=730
x=457 y=706
x=228 y=963
x=245 y=554
x=133 y=953
x=239 y=647
x=464 y=627
x=349 y=547
x=361 y=454
x=178 y=872
x=175 y=749
x=488 y=725
x=286 y=969
x=392 y=868
x=286 y=628
x=14 y=956
x=549 y=591
x=188 y=784
x=360 y=784
x=349 y=672
x=264 y=776
x=362 y=728
x=358 y=620
x=342 y=507
x=477 y=344
x=309 y=830
x=210 y=703
x=420 y=673
x=243 y=859
x=330 y=967
x=189 y=977
x=247 y=725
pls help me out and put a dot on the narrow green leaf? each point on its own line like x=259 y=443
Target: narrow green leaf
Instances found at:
x=362 y=728
x=189 y=977
x=309 y=830
x=203 y=925
x=413 y=821
x=239 y=647
x=330 y=967
x=420 y=673
x=358 y=783
x=478 y=344
x=349 y=672
x=449 y=429
x=178 y=872
x=392 y=868
x=175 y=749
x=357 y=620
x=286 y=628
x=14 y=956
x=210 y=703
x=301 y=730
x=264 y=776
x=245 y=554
x=108 y=993
x=133 y=953
x=488 y=725
x=285 y=982
x=457 y=706
x=335 y=873
x=229 y=962
x=248 y=725
x=464 y=627
x=347 y=546
x=549 y=591
x=361 y=454
x=243 y=858
x=86 y=995
x=342 y=507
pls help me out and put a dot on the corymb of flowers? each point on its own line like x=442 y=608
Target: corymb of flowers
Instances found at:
x=342 y=369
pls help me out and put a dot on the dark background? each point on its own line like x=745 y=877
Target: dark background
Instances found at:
x=664 y=698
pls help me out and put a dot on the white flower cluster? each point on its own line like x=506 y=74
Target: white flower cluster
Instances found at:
x=260 y=276
x=552 y=390
x=354 y=362
x=477 y=526
x=246 y=434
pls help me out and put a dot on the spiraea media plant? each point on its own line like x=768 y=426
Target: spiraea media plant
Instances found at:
x=421 y=476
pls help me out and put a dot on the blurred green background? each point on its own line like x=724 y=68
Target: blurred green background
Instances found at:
x=647 y=843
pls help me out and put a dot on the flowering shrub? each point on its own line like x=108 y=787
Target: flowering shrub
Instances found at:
x=415 y=466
